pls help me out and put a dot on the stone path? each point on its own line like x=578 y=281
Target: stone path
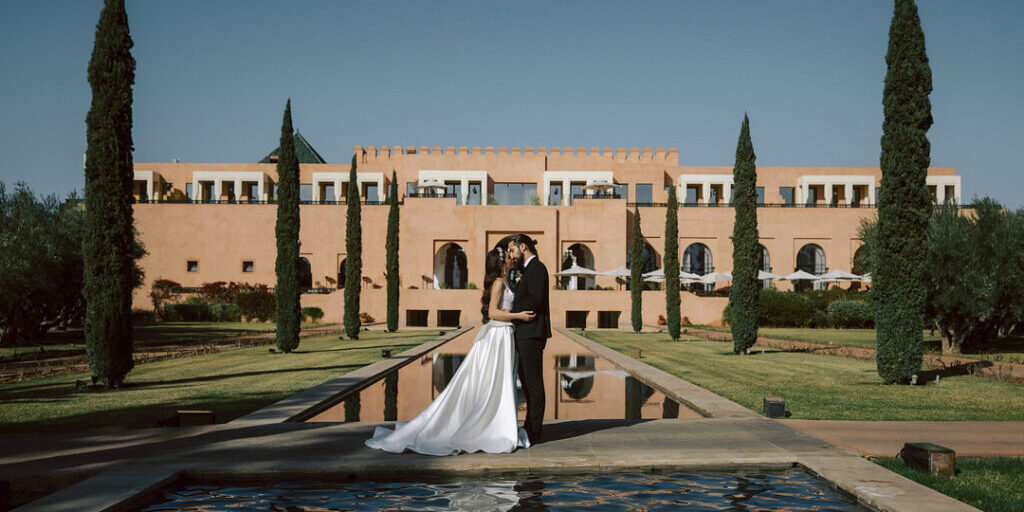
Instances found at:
x=261 y=447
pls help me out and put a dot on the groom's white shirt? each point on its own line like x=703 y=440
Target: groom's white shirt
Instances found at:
x=528 y=260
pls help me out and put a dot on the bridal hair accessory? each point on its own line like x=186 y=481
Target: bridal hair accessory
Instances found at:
x=501 y=253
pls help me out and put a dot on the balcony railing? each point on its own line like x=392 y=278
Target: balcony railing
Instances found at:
x=247 y=201
x=605 y=196
x=428 y=194
x=314 y=291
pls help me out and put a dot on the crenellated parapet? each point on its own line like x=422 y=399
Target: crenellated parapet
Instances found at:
x=621 y=154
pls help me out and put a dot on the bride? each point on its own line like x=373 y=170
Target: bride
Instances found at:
x=477 y=409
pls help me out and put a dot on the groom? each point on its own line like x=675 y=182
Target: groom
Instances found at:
x=530 y=337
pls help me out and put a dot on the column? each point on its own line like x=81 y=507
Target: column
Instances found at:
x=149 y=189
x=705 y=192
x=316 y=191
x=726 y=192
x=337 y=190
x=196 y=191
x=849 y=193
x=218 y=185
x=566 y=192
x=464 y=188
x=801 y=194
x=828 y=194
x=940 y=193
x=381 y=191
x=261 y=189
x=238 y=190
x=871 y=195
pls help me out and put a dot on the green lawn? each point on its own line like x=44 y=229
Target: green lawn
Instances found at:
x=1009 y=350
x=818 y=386
x=231 y=383
x=991 y=484
x=72 y=342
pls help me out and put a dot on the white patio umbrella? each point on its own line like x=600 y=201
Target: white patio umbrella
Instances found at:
x=716 y=277
x=655 y=273
x=576 y=271
x=838 y=275
x=798 y=275
x=619 y=272
x=655 y=279
x=600 y=186
x=431 y=185
x=762 y=275
x=686 y=276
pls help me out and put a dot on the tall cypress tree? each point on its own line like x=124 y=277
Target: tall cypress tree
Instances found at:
x=109 y=241
x=744 y=293
x=672 y=264
x=636 y=270
x=289 y=309
x=391 y=245
x=904 y=205
x=354 y=256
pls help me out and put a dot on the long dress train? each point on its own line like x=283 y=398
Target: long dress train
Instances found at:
x=477 y=409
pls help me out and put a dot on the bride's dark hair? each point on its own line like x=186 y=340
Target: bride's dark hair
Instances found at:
x=495 y=261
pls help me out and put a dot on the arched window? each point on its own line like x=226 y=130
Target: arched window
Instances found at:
x=811 y=259
x=450 y=267
x=648 y=259
x=697 y=260
x=583 y=257
x=305 y=274
x=341 y=274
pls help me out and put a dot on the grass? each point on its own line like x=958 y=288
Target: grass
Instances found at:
x=231 y=383
x=991 y=484
x=818 y=386
x=72 y=342
x=1009 y=350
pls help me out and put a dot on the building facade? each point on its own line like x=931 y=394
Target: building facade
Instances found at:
x=215 y=222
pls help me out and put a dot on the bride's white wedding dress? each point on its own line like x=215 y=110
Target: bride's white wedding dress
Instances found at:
x=477 y=409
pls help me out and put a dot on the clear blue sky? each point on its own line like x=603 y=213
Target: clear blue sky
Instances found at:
x=213 y=76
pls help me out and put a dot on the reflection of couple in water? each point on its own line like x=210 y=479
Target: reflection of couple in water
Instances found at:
x=477 y=409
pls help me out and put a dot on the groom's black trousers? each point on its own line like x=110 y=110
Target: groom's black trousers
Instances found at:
x=531 y=375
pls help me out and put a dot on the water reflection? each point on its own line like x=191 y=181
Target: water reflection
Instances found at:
x=792 y=490
x=580 y=386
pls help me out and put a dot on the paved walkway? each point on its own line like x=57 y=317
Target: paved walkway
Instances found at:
x=262 y=447
x=885 y=438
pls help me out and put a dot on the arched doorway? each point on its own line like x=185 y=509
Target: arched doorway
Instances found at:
x=648 y=260
x=861 y=263
x=583 y=257
x=697 y=260
x=764 y=263
x=450 y=267
x=811 y=259
x=341 y=274
x=305 y=274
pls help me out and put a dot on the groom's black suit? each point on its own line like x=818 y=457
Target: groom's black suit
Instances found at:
x=532 y=295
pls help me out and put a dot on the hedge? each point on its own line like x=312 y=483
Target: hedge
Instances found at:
x=314 y=314
x=225 y=312
x=258 y=304
x=851 y=314
x=187 y=312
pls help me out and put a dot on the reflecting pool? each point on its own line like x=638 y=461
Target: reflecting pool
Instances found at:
x=792 y=490
x=580 y=386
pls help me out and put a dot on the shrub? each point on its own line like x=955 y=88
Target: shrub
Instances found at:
x=143 y=316
x=187 y=312
x=162 y=292
x=257 y=303
x=314 y=314
x=225 y=312
x=215 y=292
x=851 y=314
x=365 y=318
x=784 y=309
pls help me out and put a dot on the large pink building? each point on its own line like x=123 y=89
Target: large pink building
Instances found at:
x=205 y=222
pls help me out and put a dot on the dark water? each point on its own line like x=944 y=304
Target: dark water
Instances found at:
x=792 y=490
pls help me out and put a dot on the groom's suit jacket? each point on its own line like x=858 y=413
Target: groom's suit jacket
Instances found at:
x=532 y=295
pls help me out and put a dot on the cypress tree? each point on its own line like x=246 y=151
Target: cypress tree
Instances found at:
x=289 y=309
x=354 y=256
x=391 y=245
x=744 y=293
x=904 y=205
x=108 y=242
x=636 y=269
x=672 y=264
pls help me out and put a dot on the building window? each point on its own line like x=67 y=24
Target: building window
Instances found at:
x=450 y=270
x=192 y=266
x=760 y=195
x=247 y=266
x=575 y=190
x=416 y=317
x=788 y=195
x=371 y=193
x=644 y=193
x=555 y=194
x=273 y=191
x=515 y=193
x=454 y=189
x=622 y=190
x=188 y=191
x=305 y=192
x=474 y=193
x=608 y=319
x=410 y=188
x=448 y=317
x=692 y=193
